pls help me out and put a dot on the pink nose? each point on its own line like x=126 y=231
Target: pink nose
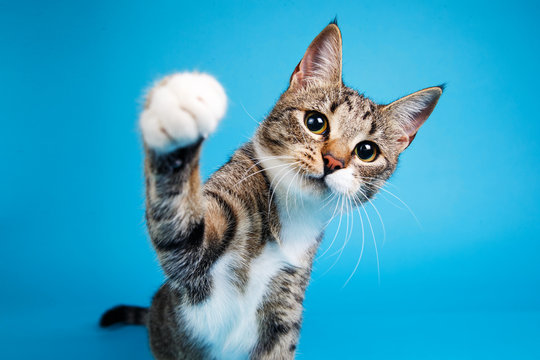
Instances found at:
x=332 y=164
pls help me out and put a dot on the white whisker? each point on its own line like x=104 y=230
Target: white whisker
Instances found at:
x=374 y=243
x=274 y=187
x=262 y=158
x=255 y=173
x=340 y=200
x=340 y=251
x=248 y=114
x=348 y=233
x=395 y=196
x=362 y=248
x=287 y=193
x=378 y=214
x=404 y=204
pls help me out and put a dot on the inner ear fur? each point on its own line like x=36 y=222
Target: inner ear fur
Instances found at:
x=321 y=63
x=411 y=111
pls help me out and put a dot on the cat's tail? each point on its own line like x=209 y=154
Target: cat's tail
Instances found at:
x=123 y=314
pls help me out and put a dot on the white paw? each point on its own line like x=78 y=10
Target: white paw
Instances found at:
x=181 y=109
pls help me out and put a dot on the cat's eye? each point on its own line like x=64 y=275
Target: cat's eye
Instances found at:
x=367 y=151
x=316 y=122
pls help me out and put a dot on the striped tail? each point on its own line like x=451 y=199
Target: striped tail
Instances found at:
x=122 y=314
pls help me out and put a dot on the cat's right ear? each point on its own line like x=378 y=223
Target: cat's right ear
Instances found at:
x=321 y=64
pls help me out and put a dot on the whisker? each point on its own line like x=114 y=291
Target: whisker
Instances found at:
x=274 y=187
x=340 y=200
x=392 y=202
x=352 y=220
x=395 y=196
x=333 y=196
x=378 y=214
x=262 y=158
x=344 y=244
x=248 y=114
x=347 y=233
x=301 y=197
x=329 y=200
x=259 y=171
x=386 y=182
x=276 y=157
x=404 y=204
x=374 y=243
x=287 y=193
x=362 y=248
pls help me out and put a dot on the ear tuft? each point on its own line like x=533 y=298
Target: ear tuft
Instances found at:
x=412 y=111
x=321 y=64
x=334 y=21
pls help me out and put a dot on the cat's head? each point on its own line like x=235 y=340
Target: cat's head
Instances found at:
x=323 y=137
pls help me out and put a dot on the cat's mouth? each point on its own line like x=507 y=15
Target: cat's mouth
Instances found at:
x=337 y=182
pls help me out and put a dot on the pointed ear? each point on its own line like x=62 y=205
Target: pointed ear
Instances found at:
x=412 y=111
x=321 y=63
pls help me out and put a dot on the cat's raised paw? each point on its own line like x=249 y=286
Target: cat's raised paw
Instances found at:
x=181 y=109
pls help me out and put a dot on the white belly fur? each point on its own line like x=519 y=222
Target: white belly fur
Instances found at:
x=227 y=320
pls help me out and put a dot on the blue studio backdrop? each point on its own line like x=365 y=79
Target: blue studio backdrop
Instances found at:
x=455 y=272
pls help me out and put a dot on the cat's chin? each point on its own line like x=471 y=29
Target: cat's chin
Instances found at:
x=342 y=182
x=322 y=186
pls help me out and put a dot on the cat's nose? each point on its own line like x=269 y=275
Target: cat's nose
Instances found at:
x=332 y=164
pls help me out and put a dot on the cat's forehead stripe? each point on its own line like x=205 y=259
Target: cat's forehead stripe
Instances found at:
x=373 y=128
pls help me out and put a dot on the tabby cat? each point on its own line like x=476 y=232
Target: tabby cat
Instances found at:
x=237 y=250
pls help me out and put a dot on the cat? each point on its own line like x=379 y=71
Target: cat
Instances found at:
x=237 y=251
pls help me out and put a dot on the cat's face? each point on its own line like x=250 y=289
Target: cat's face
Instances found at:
x=336 y=139
x=324 y=138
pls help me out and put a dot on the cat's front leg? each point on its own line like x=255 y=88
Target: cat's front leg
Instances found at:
x=180 y=112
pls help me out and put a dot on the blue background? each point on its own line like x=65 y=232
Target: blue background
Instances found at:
x=462 y=282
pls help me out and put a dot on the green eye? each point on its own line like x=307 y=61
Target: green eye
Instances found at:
x=367 y=151
x=316 y=122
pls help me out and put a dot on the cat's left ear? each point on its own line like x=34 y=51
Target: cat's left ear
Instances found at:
x=412 y=111
x=321 y=64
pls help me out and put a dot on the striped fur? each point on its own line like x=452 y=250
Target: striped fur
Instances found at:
x=237 y=251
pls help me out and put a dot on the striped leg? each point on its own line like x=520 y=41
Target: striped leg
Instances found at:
x=180 y=112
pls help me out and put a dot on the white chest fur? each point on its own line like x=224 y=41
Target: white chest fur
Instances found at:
x=227 y=320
